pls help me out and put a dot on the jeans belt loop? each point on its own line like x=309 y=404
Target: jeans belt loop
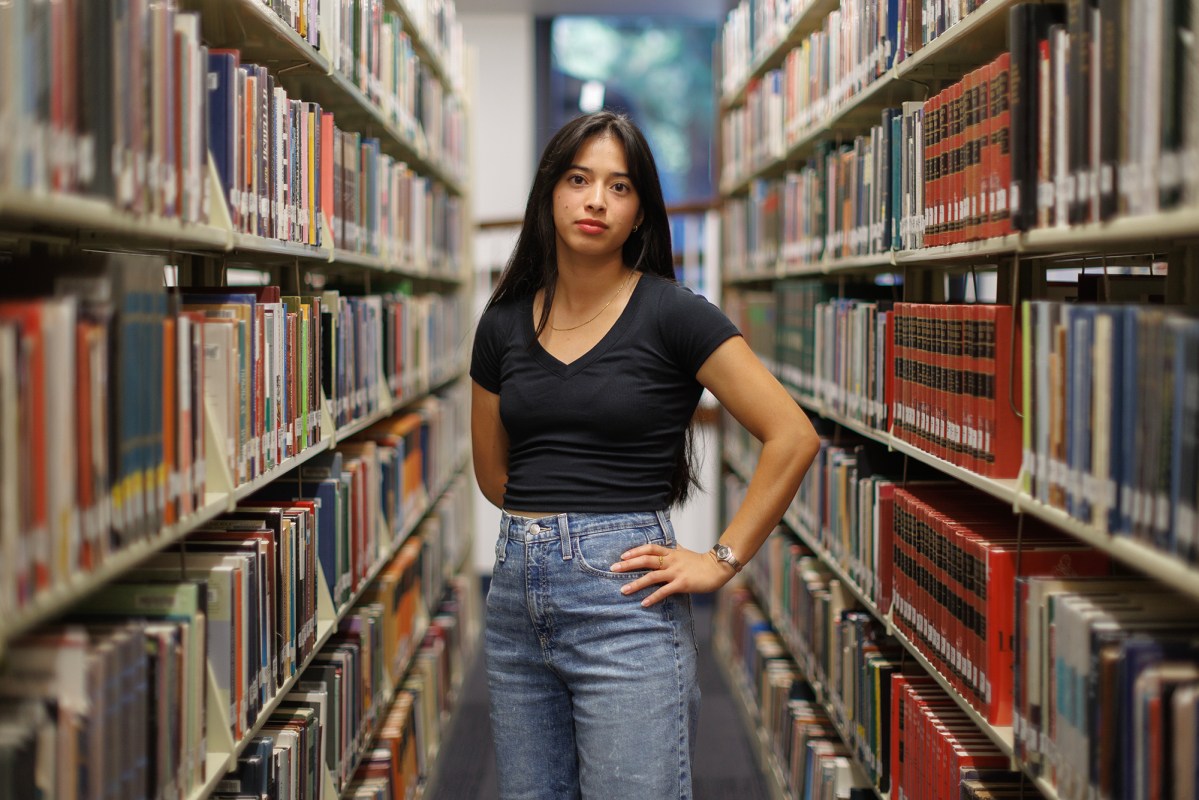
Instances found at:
x=503 y=543
x=664 y=521
x=564 y=537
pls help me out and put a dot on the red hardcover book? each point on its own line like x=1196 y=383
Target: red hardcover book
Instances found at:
x=897 y=369
x=957 y=147
x=1001 y=147
x=981 y=144
x=1003 y=427
x=926 y=347
x=884 y=558
x=971 y=381
x=943 y=178
x=34 y=571
x=934 y=140
x=964 y=102
x=913 y=371
x=941 y=314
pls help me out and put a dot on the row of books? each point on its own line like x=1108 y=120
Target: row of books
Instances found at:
x=343 y=717
x=376 y=53
x=290 y=173
x=945 y=378
x=436 y=23
x=1107 y=683
x=948 y=378
x=814 y=761
x=887 y=726
x=123 y=388
x=80 y=127
x=1110 y=418
x=112 y=704
x=956 y=557
x=1014 y=145
x=755 y=27
x=1071 y=126
x=376 y=486
x=102 y=417
x=929 y=174
x=304 y=17
x=752 y=29
x=942 y=752
x=400 y=761
x=106 y=98
x=847 y=652
x=847 y=53
x=240 y=601
x=933 y=556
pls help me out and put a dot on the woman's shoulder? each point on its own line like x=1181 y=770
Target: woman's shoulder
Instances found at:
x=675 y=298
x=503 y=314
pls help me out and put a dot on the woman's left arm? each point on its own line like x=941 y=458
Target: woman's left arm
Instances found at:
x=789 y=445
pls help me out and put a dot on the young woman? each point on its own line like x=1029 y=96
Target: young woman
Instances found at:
x=588 y=364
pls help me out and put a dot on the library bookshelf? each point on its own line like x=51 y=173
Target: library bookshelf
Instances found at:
x=342 y=200
x=880 y=160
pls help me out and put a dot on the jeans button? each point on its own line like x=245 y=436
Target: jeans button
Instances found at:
x=534 y=529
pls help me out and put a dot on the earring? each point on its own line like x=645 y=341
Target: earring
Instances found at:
x=635 y=227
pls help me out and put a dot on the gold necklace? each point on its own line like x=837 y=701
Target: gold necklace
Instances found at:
x=602 y=310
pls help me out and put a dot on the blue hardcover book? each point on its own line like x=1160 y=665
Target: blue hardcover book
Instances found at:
x=222 y=121
x=1081 y=337
x=1115 y=358
x=1138 y=654
x=891 y=43
x=1186 y=439
x=1161 y=519
x=325 y=492
x=252 y=772
x=1129 y=446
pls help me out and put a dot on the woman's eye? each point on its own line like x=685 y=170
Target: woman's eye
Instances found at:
x=620 y=188
x=575 y=180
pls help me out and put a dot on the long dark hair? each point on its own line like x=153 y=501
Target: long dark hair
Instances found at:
x=534 y=262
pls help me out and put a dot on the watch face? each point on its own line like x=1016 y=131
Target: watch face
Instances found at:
x=723 y=551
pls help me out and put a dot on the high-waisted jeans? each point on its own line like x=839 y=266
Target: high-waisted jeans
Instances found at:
x=592 y=695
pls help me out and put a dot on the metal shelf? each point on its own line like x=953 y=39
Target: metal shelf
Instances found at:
x=1165 y=228
x=90 y=220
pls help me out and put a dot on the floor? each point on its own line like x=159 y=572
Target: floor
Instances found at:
x=724 y=767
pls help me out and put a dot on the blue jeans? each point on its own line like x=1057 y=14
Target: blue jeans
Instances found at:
x=592 y=695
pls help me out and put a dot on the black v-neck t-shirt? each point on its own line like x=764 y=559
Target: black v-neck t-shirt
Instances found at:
x=603 y=432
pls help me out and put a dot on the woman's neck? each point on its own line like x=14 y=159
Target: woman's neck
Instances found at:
x=580 y=285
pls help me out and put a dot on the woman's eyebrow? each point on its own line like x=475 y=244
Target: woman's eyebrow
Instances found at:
x=589 y=170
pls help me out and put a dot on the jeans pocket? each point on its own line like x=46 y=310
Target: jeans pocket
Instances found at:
x=597 y=552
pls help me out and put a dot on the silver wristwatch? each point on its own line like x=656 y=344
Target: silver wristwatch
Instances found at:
x=725 y=553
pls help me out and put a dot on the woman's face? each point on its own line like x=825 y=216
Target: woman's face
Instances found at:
x=595 y=204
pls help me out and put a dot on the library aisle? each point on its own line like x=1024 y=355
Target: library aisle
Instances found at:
x=725 y=768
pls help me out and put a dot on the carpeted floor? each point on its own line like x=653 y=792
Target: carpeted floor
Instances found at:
x=724 y=767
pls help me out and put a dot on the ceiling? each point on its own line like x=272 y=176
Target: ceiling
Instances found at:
x=695 y=9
